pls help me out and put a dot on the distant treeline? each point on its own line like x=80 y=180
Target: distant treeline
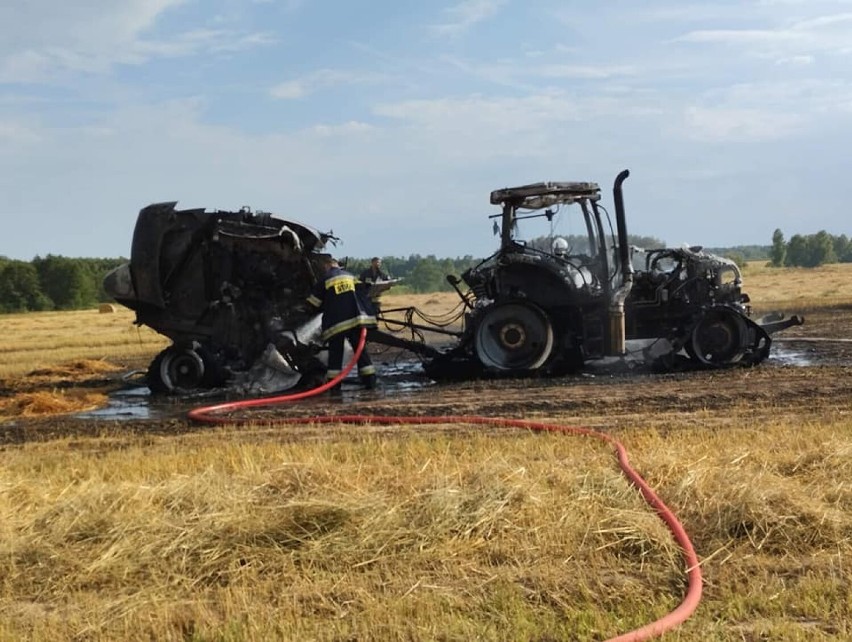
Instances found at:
x=802 y=250
x=810 y=250
x=53 y=283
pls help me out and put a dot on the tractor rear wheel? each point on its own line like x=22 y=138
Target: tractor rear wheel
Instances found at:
x=514 y=336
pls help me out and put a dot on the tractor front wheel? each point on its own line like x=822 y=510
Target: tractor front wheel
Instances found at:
x=719 y=339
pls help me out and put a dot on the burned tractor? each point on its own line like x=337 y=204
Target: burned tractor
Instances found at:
x=229 y=289
x=552 y=309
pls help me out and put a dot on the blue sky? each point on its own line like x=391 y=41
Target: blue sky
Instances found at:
x=390 y=121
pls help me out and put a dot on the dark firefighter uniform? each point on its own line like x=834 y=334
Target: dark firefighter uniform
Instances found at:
x=370 y=277
x=343 y=316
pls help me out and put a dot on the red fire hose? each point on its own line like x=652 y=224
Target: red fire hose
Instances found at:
x=206 y=414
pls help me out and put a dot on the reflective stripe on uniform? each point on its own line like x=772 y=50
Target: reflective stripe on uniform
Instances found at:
x=315 y=301
x=366 y=371
x=341 y=283
x=348 y=324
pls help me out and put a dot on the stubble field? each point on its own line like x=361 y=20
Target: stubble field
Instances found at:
x=140 y=529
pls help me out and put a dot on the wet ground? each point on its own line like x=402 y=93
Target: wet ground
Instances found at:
x=134 y=401
x=405 y=376
x=810 y=368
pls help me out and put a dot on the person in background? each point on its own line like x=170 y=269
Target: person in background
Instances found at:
x=560 y=247
x=344 y=313
x=372 y=275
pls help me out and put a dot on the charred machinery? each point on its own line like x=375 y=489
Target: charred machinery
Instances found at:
x=229 y=290
x=554 y=308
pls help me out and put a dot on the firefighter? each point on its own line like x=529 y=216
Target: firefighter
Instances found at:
x=560 y=247
x=344 y=313
x=371 y=276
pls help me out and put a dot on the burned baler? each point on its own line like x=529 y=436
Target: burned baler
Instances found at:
x=228 y=288
x=551 y=309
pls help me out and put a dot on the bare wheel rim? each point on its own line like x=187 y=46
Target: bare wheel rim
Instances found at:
x=182 y=370
x=514 y=336
x=718 y=339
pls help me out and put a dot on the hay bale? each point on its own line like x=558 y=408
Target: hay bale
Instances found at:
x=105 y=308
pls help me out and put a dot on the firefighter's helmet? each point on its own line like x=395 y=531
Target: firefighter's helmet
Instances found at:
x=560 y=246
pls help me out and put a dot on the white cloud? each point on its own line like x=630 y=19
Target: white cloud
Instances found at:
x=344 y=129
x=730 y=125
x=597 y=72
x=91 y=24
x=42 y=39
x=682 y=12
x=289 y=90
x=497 y=131
x=813 y=101
x=530 y=106
x=465 y=15
x=232 y=42
x=15 y=133
x=525 y=74
x=323 y=79
x=475 y=112
x=25 y=66
x=831 y=34
x=823 y=21
x=796 y=61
